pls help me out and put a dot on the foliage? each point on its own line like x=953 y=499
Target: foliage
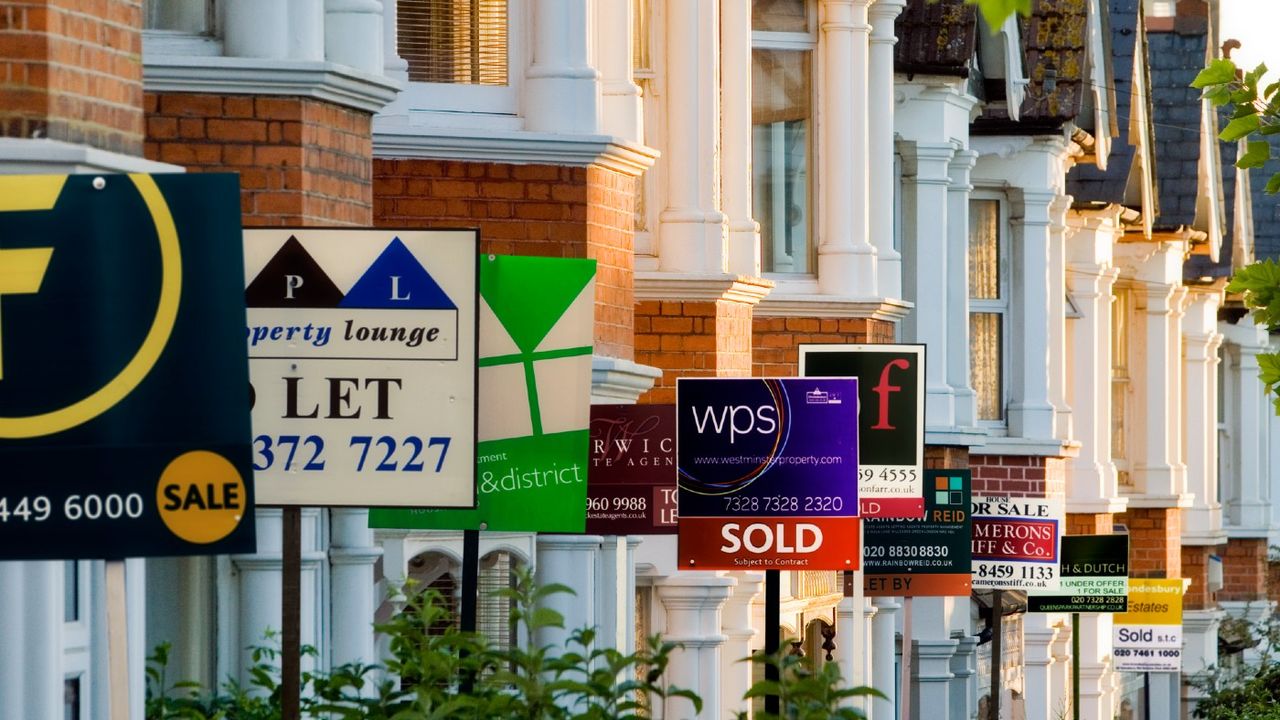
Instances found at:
x=995 y=12
x=1254 y=112
x=804 y=693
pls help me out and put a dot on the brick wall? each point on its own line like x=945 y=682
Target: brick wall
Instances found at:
x=543 y=210
x=946 y=457
x=1018 y=475
x=1154 y=544
x=775 y=352
x=301 y=161
x=71 y=70
x=707 y=338
x=1090 y=523
x=1195 y=567
x=1245 y=569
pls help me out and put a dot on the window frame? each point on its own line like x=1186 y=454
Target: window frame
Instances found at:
x=77 y=635
x=1001 y=307
x=445 y=100
x=1121 y=378
x=799 y=42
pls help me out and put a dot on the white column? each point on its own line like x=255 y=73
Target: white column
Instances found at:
x=691 y=227
x=135 y=580
x=1031 y=413
x=561 y=92
x=256 y=29
x=620 y=101
x=1058 y=317
x=846 y=258
x=1246 y=488
x=880 y=106
x=1200 y=651
x=1038 y=638
x=926 y=177
x=964 y=688
x=611 y=596
x=1091 y=474
x=568 y=560
x=693 y=601
x=851 y=641
x=931 y=662
x=1166 y=701
x=1096 y=699
x=1060 y=697
x=306 y=32
x=957 y=289
x=884 y=666
x=393 y=66
x=867 y=656
x=736 y=623
x=31 y=656
x=735 y=134
x=352 y=555
x=353 y=34
x=1200 y=338
x=260 y=589
x=13 y=646
x=1157 y=469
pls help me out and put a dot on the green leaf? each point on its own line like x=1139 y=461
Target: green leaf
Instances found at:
x=1217 y=73
x=1273 y=185
x=1258 y=154
x=995 y=12
x=1240 y=127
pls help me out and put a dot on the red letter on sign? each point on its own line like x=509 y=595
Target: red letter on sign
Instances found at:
x=883 y=390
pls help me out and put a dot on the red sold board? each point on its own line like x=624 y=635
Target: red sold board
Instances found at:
x=769 y=543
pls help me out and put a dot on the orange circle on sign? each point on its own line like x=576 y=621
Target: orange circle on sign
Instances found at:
x=201 y=497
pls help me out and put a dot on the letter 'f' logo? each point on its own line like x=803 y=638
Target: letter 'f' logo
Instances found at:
x=21 y=272
x=884 y=389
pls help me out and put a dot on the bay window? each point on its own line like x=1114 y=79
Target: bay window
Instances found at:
x=988 y=307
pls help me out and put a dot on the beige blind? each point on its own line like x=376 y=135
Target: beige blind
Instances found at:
x=454 y=41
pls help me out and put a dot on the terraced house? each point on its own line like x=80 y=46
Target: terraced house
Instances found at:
x=1043 y=205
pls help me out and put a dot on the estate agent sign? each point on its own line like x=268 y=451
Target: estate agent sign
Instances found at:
x=362 y=347
x=536 y=325
x=768 y=473
x=928 y=556
x=124 y=416
x=631 y=487
x=890 y=423
x=1148 y=638
x=1094 y=576
x=1015 y=543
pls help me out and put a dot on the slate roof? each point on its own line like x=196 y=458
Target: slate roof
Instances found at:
x=1086 y=182
x=1175 y=59
x=936 y=38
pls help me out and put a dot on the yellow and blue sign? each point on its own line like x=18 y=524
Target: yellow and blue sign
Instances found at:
x=124 y=403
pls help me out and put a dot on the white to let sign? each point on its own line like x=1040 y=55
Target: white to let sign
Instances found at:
x=362 y=360
x=1016 y=543
x=1148 y=638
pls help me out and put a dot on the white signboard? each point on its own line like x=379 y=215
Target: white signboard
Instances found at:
x=1016 y=542
x=362 y=359
x=1148 y=638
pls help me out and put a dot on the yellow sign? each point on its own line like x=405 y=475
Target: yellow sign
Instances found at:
x=1153 y=602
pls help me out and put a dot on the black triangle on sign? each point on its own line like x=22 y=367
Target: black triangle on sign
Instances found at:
x=292 y=279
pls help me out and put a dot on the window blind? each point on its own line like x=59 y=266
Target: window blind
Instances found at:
x=454 y=41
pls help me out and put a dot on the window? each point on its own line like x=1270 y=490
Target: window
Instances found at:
x=988 y=307
x=71 y=699
x=454 y=41
x=187 y=16
x=1121 y=302
x=783 y=41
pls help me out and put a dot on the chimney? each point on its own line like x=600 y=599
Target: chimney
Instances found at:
x=1192 y=17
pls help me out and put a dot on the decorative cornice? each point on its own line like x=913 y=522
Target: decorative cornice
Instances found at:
x=1098 y=506
x=969 y=437
x=614 y=380
x=41 y=155
x=393 y=137
x=701 y=287
x=833 y=306
x=1182 y=500
x=325 y=81
x=1043 y=447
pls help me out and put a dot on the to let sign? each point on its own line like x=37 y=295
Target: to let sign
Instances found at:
x=362 y=347
x=631 y=486
x=767 y=473
x=890 y=424
x=1015 y=543
x=1094 y=576
x=927 y=556
x=1148 y=638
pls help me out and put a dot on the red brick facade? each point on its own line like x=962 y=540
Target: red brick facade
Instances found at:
x=1154 y=547
x=301 y=161
x=1018 y=475
x=70 y=71
x=706 y=338
x=1195 y=566
x=543 y=210
x=1090 y=523
x=946 y=457
x=1245 y=569
x=775 y=343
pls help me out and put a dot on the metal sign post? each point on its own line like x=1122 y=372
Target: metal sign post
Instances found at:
x=291 y=615
x=772 y=621
x=997 y=639
x=905 y=695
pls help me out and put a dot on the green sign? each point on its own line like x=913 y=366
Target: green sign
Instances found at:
x=124 y=395
x=536 y=324
x=1094 y=574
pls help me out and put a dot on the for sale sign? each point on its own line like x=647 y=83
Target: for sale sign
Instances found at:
x=631 y=485
x=927 y=556
x=768 y=473
x=1094 y=577
x=1016 y=543
x=1148 y=638
x=891 y=421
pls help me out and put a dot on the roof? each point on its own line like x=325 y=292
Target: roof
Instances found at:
x=936 y=38
x=1175 y=59
x=1086 y=182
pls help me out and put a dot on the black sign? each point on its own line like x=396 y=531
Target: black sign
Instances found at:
x=631 y=485
x=929 y=556
x=1094 y=574
x=124 y=385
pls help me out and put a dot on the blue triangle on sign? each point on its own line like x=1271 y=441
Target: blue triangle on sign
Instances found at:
x=397 y=280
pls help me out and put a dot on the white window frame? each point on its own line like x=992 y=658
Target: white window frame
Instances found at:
x=76 y=636
x=1003 y=307
x=500 y=101
x=1123 y=292
x=806 y=41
